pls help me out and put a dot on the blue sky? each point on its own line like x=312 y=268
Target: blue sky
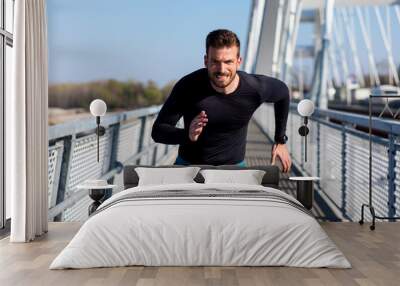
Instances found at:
x=141 y=40
x=158 y=40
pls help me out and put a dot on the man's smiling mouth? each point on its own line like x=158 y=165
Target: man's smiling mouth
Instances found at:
x=219 y=76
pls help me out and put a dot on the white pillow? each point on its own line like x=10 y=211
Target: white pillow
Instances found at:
x=249 y=177
x=162 y=176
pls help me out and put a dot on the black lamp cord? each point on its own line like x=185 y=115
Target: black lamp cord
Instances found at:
x=98 y=136
x=305 y=138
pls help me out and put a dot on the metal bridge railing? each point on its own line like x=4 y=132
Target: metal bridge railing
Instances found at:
x=73 y=157
x=338 y=154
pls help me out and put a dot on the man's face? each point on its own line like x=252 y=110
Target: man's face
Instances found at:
x=222 y=64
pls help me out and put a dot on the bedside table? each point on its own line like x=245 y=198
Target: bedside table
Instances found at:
x=96 y=193
x=305 y=190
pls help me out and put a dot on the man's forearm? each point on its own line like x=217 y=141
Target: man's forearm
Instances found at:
x=281 y=109
x=166 y=134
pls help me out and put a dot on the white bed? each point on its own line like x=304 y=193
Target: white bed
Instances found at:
x=265 y=229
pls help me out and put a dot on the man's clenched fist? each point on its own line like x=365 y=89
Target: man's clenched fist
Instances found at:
x=197 y=124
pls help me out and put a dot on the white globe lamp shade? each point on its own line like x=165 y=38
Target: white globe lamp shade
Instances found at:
x=98 y=107
x=305 y=108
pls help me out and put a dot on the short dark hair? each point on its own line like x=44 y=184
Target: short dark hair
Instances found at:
x=222 y=38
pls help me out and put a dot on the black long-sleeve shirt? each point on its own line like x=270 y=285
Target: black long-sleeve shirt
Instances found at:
x=223 y=139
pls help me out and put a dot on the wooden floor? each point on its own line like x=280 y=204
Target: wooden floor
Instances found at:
x=374 y=255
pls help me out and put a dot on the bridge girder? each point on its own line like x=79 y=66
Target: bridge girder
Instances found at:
x=318 y=4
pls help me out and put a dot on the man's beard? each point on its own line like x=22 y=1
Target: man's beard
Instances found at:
x=212 y=77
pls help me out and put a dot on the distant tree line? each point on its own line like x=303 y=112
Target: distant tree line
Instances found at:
x=118 y=95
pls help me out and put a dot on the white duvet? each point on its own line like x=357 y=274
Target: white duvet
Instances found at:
x=200 y=231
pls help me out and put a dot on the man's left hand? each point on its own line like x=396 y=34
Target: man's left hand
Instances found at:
x=280 y=151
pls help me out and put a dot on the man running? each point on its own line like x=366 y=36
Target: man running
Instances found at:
x=217 y=103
